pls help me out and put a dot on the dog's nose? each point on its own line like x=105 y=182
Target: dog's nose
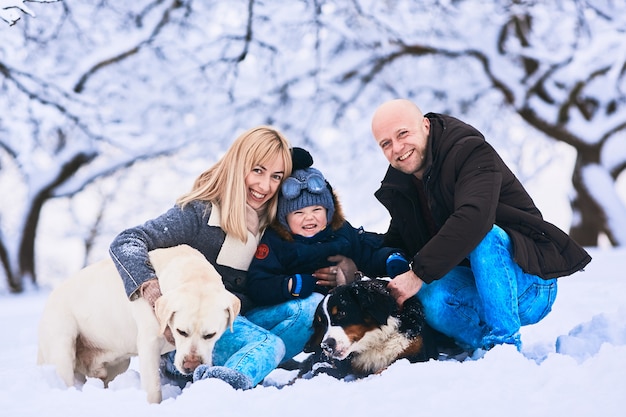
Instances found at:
x=191 y=363
x=329 y=344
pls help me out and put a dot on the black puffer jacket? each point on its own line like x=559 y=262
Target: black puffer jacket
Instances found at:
x=466 y=189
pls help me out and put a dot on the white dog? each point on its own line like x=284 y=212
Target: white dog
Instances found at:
x=90 y=328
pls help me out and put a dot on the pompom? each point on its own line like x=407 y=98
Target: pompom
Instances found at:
x=301 y=158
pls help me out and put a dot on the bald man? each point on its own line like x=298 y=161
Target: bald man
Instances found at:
x=484 y=262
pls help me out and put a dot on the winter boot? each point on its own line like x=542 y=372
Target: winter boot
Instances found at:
x=235 y=379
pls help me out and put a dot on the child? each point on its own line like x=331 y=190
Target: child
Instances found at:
x=310 y=227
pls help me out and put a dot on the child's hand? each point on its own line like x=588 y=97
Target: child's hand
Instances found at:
x=301 y=285
x=397 y=264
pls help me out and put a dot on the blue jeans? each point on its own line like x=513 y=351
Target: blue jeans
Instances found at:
x=292 y=321
x=248 y=349
x=259 y=341
x=487 y=304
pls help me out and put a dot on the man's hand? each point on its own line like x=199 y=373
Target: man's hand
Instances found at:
x=339 y=274
x=404 y=286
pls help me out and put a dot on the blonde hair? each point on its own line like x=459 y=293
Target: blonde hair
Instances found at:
x=224 y=183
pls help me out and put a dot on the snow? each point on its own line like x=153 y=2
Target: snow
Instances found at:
x=10 y=11
x=134 y=107
x=586 y=376
x=603 y=188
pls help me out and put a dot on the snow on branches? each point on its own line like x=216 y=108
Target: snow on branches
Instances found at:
x=10 y=10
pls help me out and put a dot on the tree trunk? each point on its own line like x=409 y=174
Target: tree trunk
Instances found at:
x=26 y=255
x=15 y=285
x=588 y=219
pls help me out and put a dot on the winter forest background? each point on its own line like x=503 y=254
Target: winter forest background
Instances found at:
x=109 y=109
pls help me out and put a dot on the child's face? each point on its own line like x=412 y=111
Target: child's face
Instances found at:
x=307 y=221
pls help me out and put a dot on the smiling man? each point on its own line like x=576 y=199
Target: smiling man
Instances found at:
x=483 y=260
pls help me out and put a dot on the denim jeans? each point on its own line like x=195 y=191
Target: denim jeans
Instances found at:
x=259 y=341
x=487 y=304
x=292 y=321
x=248 y=349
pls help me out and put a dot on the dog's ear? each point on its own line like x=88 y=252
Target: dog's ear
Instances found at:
x=374 y=298
x=163 y=311
x=233 y=310
x=319 y=329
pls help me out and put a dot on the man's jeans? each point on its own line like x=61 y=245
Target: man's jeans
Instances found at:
x=487 y=304
x=292 y=321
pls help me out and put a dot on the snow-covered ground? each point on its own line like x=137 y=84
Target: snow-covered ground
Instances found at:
x=585 y=377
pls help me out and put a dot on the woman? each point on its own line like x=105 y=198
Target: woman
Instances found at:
x=224 y=216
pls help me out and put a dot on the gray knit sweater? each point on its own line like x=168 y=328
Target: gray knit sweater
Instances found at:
x=198 y=226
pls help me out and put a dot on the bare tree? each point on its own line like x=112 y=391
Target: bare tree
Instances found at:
x=89 y=88
x=561 y=66
x=11 y=10
x=58 y=139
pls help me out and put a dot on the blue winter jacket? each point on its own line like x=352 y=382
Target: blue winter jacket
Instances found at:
x=277 y=260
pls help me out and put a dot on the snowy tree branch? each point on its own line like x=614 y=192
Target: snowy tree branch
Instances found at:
x=165 y=18
x=12 y=75
x=10 y=9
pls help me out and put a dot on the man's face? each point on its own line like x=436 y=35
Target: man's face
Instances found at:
x=402 y=133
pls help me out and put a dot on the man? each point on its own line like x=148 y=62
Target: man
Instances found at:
x=484 y=262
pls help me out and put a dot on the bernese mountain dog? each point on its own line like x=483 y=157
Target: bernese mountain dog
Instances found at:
x=359 y=330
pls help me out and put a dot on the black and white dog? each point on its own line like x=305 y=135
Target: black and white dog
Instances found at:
x=359 y=330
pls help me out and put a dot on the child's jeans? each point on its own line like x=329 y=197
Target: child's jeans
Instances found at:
x=248 y=349
x=292 y=321
x=259 y=341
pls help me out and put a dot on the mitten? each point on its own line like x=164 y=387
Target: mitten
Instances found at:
x=301 y=285
x=397 y=265
x=234 y=378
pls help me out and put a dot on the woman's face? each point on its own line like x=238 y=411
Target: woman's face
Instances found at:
x=263 y=181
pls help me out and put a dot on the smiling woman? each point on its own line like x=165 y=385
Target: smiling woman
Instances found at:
x=262 y=183
x=223 y=217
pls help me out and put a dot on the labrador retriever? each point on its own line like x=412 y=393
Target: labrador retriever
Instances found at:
x=89 y=327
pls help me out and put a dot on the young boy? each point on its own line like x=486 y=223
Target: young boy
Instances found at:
x=310 y=227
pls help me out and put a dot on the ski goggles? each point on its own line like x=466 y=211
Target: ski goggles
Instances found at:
x=292 y=186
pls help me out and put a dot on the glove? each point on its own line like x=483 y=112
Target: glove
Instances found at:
x=397 y=265
x=302 y=286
